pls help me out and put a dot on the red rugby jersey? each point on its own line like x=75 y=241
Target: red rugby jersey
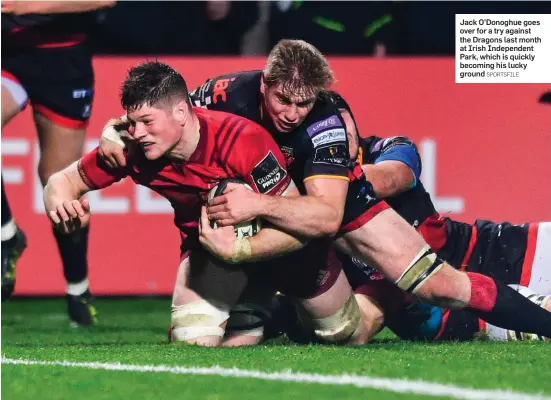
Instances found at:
x=229 y=147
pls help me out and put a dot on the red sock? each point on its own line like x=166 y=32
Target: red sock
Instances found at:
x=483 y=292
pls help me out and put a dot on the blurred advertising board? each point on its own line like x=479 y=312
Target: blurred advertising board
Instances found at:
x=486 y=152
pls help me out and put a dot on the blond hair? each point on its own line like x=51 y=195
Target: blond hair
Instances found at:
x=299 y=67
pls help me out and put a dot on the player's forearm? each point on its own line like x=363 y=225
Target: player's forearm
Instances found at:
x=59 y=7
x=302 y=215
x=271 y=243
x=388 y=178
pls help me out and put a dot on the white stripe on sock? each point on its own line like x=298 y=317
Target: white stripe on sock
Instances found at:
x=9 y=230
x=76 y=289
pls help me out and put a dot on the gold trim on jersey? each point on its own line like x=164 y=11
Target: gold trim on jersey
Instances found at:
x=344 y=178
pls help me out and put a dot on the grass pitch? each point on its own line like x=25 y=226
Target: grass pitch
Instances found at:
x=133 y=332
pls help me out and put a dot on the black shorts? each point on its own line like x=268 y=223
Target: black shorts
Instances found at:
x=495 y=250
x=59 y=81
x=499 y=250
x=357 y=272
x=361 y=205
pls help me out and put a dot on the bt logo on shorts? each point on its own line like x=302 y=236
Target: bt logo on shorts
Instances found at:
x=82 y=93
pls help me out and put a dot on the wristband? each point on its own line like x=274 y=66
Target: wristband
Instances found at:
x=242 y=250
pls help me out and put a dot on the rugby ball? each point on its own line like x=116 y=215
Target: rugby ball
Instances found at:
x=243 y=229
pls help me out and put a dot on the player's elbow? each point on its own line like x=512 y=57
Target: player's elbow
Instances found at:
x=330 y=226
x=320 y=227
x=333 y=227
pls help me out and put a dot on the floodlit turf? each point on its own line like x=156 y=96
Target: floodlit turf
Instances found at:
x=134 y=332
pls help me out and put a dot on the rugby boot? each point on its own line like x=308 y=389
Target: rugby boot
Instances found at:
x=10 y=254
x=81 y=309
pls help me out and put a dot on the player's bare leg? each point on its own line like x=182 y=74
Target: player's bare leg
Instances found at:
x=334 y=315
x=14 y=241
x=391 y=245
x=59 y=147
x=373 y=316
x=10 y=107
x=390 y=256
x=318 y=292
x=204 y=293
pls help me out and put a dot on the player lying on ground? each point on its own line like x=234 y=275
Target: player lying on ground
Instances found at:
x=382 y=304
x=513 y=254
x=181 y=152
x=288 y=99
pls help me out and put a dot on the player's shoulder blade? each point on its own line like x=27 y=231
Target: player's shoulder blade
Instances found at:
x=229 y=92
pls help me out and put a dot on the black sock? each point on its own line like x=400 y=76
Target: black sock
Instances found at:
x=73 y=250
x=6 y=210
x=508 y=309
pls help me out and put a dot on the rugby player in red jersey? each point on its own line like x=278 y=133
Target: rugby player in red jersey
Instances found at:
x=290 y=102
x=181 y=152
x=290 y=95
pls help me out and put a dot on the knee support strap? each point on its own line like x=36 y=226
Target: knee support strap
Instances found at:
x=197 y=319
x=423 y=266
x=341 y=325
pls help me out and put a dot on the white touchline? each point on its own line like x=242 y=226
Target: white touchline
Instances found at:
x=388 y=384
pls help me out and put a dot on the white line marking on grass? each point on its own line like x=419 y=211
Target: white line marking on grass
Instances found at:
x=388 y=384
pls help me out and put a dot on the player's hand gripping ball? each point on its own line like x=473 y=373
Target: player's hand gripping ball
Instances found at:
x=242 y=229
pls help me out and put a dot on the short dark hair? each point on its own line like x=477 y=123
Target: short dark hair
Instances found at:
x=299 y=67
x=151 y=83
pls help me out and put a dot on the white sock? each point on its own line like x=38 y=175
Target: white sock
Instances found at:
x=540 y=273
x=76 y=289
x=496 y=333
x=9 y=230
